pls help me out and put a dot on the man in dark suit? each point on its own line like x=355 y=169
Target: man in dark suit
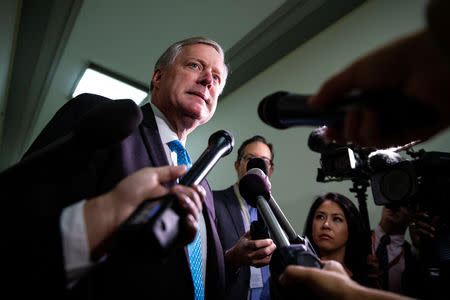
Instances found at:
x=187 y=80
x=399 y=268
x=246 y=259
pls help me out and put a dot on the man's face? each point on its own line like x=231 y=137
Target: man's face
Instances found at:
x=253 y=150
x=395 y=220
x=187 y=91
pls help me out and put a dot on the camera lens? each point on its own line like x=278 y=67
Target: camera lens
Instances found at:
x=396 y=185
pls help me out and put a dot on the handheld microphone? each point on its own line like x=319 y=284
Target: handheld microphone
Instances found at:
x=257 y=163
x=258 y=166
x=282 y=110
x=256 y=191
x=220 y=144
x=106 y=123
x=258 y=228
x=155 y=222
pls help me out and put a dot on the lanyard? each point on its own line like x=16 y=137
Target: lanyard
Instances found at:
x=244 y=210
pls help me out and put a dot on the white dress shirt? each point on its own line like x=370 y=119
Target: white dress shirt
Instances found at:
x=394 y=249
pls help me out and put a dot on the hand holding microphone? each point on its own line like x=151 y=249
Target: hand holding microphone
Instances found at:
x=290 y=248
x=392 y=111
x=155 y=223
x=105 y=213
x=409 y=77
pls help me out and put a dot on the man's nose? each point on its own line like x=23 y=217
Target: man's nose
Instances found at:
x=206 y=78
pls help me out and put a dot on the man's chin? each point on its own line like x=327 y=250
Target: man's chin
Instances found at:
x=193 y=120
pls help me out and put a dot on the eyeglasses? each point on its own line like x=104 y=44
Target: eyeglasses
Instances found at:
x=250 y=156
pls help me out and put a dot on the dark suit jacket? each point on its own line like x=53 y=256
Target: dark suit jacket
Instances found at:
x=69 y=179
x=231 y=228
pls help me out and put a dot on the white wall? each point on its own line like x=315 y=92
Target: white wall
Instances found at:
x=303 y=71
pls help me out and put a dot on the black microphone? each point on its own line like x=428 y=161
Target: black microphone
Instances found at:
x=106 y=123
x=155 y=222
x=258 y=228
x=257 y=163
x=283 y=110
x=258 y=166
x=220 y=144
x=256 y=191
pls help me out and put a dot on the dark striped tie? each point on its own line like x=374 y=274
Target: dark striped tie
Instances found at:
x=383 y=260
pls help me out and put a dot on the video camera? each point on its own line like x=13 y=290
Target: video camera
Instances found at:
x=394 y=179
x=420 y=182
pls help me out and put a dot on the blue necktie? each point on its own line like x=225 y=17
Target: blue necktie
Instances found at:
x=195 y=248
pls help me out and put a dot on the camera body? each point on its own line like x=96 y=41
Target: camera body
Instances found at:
x=395 y=181
x=421 y=183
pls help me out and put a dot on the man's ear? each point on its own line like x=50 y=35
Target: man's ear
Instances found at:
x=156 y=78
x=236 y=166
x=270 y=171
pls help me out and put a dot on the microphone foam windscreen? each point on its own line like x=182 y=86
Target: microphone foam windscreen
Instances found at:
x=108 y=122
x=382 y=159
x=258 y=163
x=253 y=185
x=317 y=141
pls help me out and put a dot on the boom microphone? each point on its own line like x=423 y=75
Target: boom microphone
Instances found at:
x=155 y=223
x=283 y=110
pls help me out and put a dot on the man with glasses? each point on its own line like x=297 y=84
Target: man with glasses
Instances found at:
x=246 y=259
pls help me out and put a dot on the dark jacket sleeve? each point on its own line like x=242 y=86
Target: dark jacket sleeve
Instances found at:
x=35 y=191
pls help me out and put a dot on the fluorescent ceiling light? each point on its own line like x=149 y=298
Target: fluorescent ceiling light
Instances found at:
x=96 y=82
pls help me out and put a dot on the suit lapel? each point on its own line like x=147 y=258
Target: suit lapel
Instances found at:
x=152 y=140
x=234 y=209
x=215 y=285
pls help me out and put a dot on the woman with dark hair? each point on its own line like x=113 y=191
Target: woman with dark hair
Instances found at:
x=335 y=230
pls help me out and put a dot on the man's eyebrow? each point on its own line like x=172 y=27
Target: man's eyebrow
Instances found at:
x=203 y=62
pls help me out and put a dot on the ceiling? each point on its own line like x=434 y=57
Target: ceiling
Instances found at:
x=54 y=40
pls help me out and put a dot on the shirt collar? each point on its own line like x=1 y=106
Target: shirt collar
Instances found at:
x=396 y=239
x=164 y=128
